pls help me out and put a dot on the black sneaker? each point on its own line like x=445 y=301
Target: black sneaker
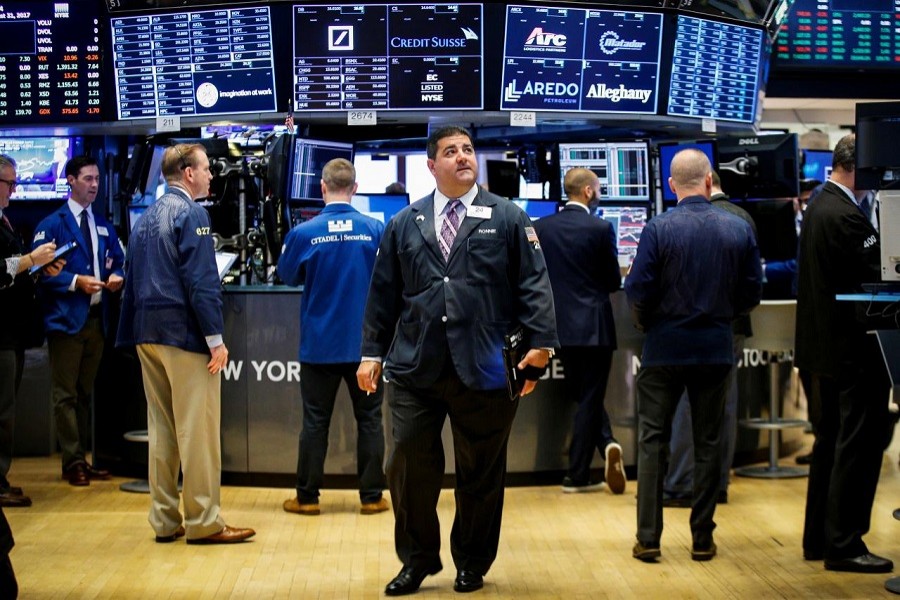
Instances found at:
x=569 y=486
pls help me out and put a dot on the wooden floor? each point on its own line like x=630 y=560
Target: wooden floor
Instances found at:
x=96 y=543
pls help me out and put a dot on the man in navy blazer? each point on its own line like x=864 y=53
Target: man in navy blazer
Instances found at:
x=697 y=268
x=455 y=272
x=73 y=303
x=581 y=255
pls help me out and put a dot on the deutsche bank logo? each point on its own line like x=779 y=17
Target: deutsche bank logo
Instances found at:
x=340 y=37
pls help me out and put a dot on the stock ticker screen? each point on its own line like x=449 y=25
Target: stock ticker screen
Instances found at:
x=388 y=57
x=202 y=62
x=857 y=34
x=566 y=59
x=716 y=70
x=49 y=62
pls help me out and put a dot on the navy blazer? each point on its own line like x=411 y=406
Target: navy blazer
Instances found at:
x=697 y=267
x=67 y=311
x=421 y=308
x=581 y=255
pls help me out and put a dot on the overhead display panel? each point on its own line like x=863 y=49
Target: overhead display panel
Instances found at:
x=204 y=62
x=853 y=34
x=49 y=62
x=388 y=57
x=566 y=59
x=716 y=70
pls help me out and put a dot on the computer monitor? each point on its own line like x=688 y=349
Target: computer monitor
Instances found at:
x=877 y=155
x=503 y=177
x=668 y=150
x=300 y=211
x=817 y=164
x=380 y=206
x=622 y=166
x=537 y=209
x=308 y=158
x=776 y=228
x=628 y=223
x=40 y=165
x=760 y=166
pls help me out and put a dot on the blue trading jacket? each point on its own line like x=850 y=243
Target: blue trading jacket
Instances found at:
x=67 y=311
x=172 y=294
x=332 y=256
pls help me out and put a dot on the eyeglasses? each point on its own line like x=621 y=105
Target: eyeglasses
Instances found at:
x=10 y=182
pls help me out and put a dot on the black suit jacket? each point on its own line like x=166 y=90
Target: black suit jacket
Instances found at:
x=839 y=250
x=16 y=299
x=420 y=308
x=583 y=263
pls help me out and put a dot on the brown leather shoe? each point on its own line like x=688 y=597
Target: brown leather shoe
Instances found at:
x=165 y=539
x=228 y=535
x=14 y=500
x=371 y=508
x=77 y=475
x=95 y=473
x=293 y=505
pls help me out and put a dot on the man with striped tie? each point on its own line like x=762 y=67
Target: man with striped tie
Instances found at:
x=456 y=271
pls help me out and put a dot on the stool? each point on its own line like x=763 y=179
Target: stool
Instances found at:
x=773 y=328
x=138 y=486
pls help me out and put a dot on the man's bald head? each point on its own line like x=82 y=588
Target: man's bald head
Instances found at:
x=691 y=174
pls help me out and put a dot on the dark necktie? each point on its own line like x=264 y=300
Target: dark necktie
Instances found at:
x=86 y=233
x=866 y=207
x=449 y=228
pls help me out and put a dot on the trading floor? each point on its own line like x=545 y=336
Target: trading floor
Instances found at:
x=94 y=542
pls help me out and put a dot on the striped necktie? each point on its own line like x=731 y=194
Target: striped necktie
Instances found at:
x=449 y=228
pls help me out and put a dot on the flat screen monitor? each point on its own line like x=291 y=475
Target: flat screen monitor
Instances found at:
x=380 y=206
x=388 y=57
x=568 y=59
x=537 y=209
x=776 y=229
x=503 y=177
x=135 y=211
x=50 y=58
x=300 y=211
x=668 y=150
x=817 y=164
x=842 y=34
x=40 y=165
x=628 y=222
x=308 y=158
x=623 y=167
x=760 y=166
x=877 y=154
x=198 y=62
x=717 y=70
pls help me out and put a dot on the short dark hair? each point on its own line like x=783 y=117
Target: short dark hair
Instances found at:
x=441 y=133
x=76 y=164
x=845 y=154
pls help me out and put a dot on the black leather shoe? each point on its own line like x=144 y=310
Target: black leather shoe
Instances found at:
x=804 y=459
x=408 y=580
x=10 y=500
x=95 y=473
x=867 y=563
x=467 y=581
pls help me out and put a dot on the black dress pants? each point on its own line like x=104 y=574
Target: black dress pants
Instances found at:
x=846 y=463
x=658 y=392
x=480 y=422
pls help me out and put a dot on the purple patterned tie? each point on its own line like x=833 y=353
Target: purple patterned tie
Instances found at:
x=449 y=228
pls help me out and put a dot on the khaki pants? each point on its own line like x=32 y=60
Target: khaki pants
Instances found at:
x=183 y=418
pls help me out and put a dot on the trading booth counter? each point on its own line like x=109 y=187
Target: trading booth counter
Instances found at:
x=262 y=415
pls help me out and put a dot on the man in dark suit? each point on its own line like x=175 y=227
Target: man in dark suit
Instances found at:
x=696 y=268
x=839 y=250
x=582 y=261
x=73 y=303
x=455 y=272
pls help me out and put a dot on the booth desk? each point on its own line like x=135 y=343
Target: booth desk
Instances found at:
x=262 y=415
